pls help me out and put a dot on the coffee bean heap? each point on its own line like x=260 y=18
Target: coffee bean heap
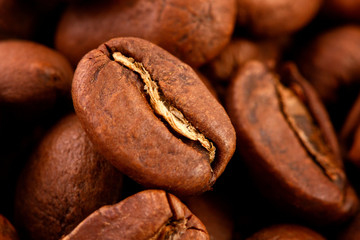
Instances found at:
x=174 y=120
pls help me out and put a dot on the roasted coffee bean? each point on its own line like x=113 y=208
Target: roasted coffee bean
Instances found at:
x=152 y=117
x=276 y=17
x=146 y=109
x=286 y=232
x=7 y=230
x=330 y=62
x=32 y=75
x=194 y=31
x=289 y=144
x=147 y=215
x=64 y=182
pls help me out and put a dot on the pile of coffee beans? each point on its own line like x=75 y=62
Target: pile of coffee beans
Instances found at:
x=179 y=120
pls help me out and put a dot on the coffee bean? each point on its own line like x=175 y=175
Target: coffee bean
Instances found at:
x=150 y=214
x=32 y=75
x=194 y=31
x=64 y=182
x=152 y=117
x=289 y=144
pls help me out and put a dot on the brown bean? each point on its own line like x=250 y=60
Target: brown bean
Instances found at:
x=153 y=119
x=194 y=31
x=147 y=215
x=64 y=181
x=289 y=144
x=32 y=75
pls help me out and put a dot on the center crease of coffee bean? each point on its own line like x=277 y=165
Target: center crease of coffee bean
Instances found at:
x=172 y=115
x=301 y=122
x=173 y=229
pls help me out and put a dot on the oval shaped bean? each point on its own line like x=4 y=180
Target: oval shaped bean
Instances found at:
x=152 y=117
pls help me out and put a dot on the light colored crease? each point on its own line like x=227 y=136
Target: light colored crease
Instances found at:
x=288 y=100
x=171 y=115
